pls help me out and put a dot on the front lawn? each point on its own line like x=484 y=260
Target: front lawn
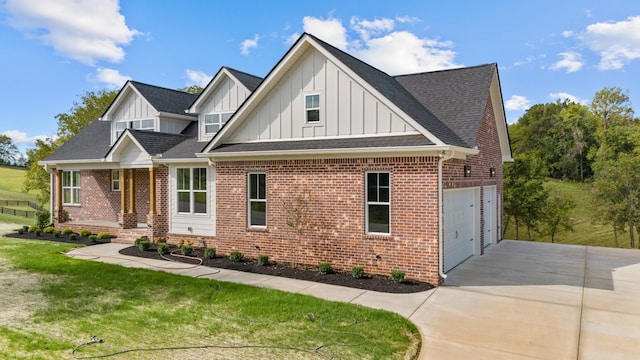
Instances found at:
x=49 y=304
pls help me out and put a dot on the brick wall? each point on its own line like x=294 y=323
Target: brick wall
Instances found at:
x=336 y=232
x=97 y=201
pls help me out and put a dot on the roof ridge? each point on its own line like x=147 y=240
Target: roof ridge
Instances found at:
x=160 y=87
x=241 y=72
x=445 y=70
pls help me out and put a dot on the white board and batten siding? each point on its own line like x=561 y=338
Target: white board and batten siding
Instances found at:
x=192 y=224
x=132 y=107
x=226 y=97
x=346 y=107
x=461 y=225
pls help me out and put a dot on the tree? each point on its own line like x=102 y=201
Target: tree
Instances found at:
x=192 y=89
x=91 y=107
x=612 y=107
x=556 y=215
x=524 y=193
x=8 y=151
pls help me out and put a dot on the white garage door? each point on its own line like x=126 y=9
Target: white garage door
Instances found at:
x=489 y=215
x=459 y=226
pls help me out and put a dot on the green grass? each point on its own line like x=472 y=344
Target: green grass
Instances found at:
x=11 y=189
x=72 y=300
x=585 y=232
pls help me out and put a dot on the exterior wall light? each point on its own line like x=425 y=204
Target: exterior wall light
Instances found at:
x=492 y=172
x=467 y=171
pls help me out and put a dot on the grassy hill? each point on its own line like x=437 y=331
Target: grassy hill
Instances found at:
x=585 y=232
x=10 y=189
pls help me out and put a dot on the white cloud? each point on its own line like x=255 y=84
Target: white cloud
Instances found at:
x=249 y=44
x=567 y=33
x=199 y=78
x=329 y=30
x=516 y=103
x=617 y=43
x=20 y=137
x=84 y=30
x=570 y=60
x=292 y=38
x=378 y=43
x=112 y=78
x=566 y=96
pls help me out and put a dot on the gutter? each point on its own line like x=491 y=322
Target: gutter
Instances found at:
x=443 y=156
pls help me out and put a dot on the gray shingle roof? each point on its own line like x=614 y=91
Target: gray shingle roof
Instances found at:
x=92 y=142
x=457 y=97
x=156 y=142
x=319 y=144
x=251 y=82
x=396 y=93
x=165 y=100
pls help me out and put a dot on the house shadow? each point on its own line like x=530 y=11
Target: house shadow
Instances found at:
x=524 y=263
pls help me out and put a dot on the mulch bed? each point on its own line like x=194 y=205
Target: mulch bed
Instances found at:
x=370 y=282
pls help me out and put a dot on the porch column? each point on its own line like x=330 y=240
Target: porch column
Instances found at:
x=58 y=205
x=152 y=191
x=123 y=192
x=132 y=191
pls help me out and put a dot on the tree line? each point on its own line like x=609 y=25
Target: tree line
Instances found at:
x=598 y=144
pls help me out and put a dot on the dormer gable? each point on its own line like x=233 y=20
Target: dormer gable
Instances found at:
x=219 y=100
x=147 y=107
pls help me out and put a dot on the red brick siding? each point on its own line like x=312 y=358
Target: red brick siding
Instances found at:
x=97 y=201
x=337 y=231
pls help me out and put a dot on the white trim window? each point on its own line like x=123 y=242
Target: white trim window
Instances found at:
x=257 y=204
x=141 y=124
x=191 y=190
x=214 y=122
x=115 y=180
x=378 y=207
x=71 y=187
x=312 y=108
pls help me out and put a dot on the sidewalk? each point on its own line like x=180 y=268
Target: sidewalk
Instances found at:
x=403 y=304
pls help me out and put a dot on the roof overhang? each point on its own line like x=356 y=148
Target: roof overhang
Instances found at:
x=495 y=92
x=336 y=153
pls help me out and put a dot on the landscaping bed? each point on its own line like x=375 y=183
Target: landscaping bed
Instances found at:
x=70 y=238
x=301 y=272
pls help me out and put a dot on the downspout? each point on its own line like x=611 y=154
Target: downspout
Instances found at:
x=443 y=156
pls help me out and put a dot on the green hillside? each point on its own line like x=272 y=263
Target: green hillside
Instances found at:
x=585 y=232
x=10 y=189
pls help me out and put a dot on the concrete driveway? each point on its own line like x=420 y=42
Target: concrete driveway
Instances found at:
x=525 y=300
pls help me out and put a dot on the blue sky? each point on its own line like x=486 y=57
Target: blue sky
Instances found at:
x=54 y=51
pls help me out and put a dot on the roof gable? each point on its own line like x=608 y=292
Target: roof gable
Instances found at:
x=157 y=99
x=247 y=81
x=386 y=89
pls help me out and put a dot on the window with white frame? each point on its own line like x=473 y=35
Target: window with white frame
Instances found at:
x=71 y=187
x=312 y=108
x=141 y=124
x=191 y=187
x=257 y=206
x=378 y=207
x=115 y=180
x=214 y=122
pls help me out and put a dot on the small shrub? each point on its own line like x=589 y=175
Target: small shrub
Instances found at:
x=325 y=268
x=144 y=245
x=138 y=241
x=43 y=218
x=48 y=230
x=38 y=232
x=186 y=249
x=33 y=228
x=67 y=231
x=85 y=232
x=20 y=231
x=160 y=239
x=263 y=260
x=93 y=238
x=103 y=235
x=25 y=228
x=163 y=248
x=210 y=253
x=397 y=276
x=56 y=234
x=358 y=272
x=72 y=236
x=65 y=216
x=236 y=256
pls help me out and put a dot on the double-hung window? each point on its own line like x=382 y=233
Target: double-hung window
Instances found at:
x=213 y=122
x=312 y=108
x=71 y=187
x=115 y=180
x=378 y=206
x=191 y=187
x=142 y=124
x=257 y=200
